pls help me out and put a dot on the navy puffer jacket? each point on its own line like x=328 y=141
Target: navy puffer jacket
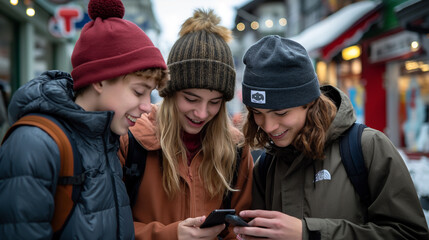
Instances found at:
x=29 y=168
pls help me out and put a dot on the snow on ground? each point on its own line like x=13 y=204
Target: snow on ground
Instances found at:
x=419 y=171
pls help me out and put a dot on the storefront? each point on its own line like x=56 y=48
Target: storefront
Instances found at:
x=413 y=112
x=6 y=43
x=27 y=48
x=334 y=45
x=387 y=58
x=413 y=80
x=387 y=76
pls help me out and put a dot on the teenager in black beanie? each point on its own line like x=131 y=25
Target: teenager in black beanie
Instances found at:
x=304 y=191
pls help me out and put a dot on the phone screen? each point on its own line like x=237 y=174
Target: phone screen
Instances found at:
x=216 y=217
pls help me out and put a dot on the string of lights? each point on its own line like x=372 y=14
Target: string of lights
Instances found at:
x=255 y=24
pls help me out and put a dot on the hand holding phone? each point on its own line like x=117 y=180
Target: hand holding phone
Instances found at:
x=235 y=220
x=217 y=217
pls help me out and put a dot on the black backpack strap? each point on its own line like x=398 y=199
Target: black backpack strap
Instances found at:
x=353 y=161
x=226 y=202
x=134 y=167
x=264 y=162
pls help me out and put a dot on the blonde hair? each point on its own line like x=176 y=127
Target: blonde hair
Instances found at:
x=218 y=148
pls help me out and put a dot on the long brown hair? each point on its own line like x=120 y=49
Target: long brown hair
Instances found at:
x=312 y=137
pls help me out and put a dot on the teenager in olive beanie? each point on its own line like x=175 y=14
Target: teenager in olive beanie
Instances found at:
x=193 y=155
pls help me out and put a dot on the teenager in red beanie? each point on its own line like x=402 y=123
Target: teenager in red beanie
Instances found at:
x=195 y=159
x=115 y=68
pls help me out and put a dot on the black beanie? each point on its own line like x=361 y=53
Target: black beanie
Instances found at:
x=201 y=57
x=278 y=74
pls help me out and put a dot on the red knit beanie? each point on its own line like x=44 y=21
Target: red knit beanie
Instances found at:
x=110 y=46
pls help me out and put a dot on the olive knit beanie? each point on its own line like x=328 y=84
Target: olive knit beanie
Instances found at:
x=110 y=46
x=201 y=57
x=278 y=74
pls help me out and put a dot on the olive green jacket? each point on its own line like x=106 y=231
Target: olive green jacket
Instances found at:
x=321 y=194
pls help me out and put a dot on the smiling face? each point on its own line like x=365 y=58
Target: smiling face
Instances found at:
x=128 y=97
x=282 y=126
x=197 y=107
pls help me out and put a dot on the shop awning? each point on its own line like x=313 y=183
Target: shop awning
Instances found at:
x=414 y=15
x=341 y=29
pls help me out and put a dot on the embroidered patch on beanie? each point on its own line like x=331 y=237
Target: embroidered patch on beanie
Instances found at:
x=110 y=46
x=201 y=57
x=257 y=96
x=278 y=74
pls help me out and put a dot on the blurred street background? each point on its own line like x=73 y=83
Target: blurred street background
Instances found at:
x=376 y=51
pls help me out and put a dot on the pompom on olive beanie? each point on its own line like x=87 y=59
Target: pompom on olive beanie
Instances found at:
x=201 y=57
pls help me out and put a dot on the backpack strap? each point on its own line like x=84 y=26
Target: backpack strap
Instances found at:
x=71 y=177
x=264 y=162
x=226 y=202
x=353 y=161
x=134 y=167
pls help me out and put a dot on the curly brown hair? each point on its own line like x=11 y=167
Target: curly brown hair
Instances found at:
x=312 y=137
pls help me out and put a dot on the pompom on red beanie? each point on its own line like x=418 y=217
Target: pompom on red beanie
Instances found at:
x=110 y=46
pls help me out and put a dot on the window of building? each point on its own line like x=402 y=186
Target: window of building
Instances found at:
x=43 y=55
x=6 y=36
x=414 y=105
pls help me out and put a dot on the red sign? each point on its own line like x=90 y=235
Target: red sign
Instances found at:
x=63 y=23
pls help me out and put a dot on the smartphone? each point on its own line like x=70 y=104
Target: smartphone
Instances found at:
x=217 y=217
x=235 y=220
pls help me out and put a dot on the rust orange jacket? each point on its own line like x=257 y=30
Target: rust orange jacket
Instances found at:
x=156 y=216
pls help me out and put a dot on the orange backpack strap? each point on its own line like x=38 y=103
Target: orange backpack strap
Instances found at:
x=63 y=196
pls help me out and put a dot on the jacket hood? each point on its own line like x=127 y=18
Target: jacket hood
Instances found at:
x=52 y=93
x=345 y=116
x=145 y=130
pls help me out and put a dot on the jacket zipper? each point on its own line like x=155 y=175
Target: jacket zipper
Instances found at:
x=112 y=178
